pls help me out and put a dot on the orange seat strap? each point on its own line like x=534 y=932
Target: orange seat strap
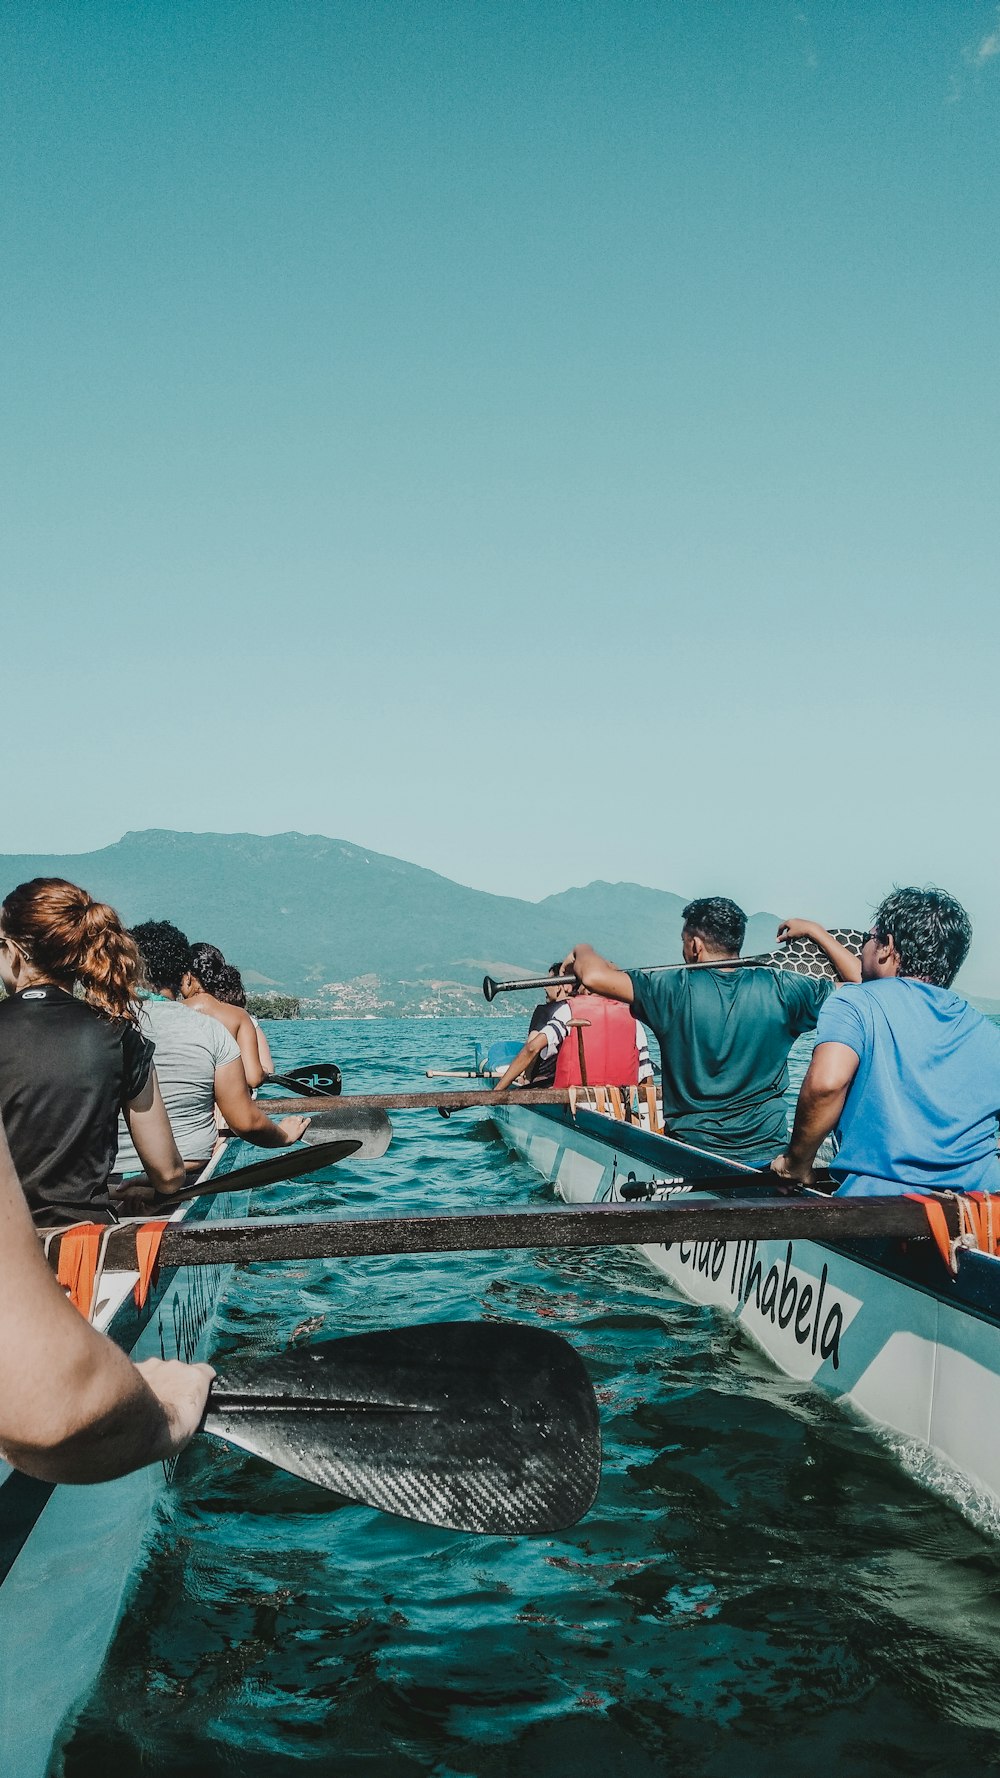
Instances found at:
x=79 y=1263
x=937 y=1227
x=147 y=1253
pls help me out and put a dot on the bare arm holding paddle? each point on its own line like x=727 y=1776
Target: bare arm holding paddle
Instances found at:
x=73 y=1408
x=246 y=1117
x=524 y=1058
x=817 y=1113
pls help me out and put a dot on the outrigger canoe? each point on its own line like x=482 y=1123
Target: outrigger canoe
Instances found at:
x=884 y=1327
x=67 y=1554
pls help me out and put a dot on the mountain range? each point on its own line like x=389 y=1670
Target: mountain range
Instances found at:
x=350 y=930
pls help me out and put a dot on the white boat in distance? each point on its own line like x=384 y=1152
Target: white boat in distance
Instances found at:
x=881 y=1327
x=68 y=1554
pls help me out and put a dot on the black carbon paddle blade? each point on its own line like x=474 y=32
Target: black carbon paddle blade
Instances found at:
x=311 y=1080
x=371 y=1130
x=288 y=1163
x=477 y=1425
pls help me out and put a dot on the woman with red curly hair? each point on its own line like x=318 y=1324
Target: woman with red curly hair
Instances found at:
x=72 y=1055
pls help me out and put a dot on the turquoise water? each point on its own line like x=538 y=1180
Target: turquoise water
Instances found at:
x=759 y=1587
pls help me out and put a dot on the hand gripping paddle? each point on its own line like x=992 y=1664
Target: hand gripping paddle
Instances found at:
x=477 y=1425
x=370 y=1129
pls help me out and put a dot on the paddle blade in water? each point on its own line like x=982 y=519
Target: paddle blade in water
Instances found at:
x=480 y=1426
x=370 y=1129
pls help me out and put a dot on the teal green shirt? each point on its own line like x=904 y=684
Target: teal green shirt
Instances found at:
x=724 y=1037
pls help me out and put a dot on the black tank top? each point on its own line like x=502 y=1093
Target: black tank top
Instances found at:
x=65 y=1070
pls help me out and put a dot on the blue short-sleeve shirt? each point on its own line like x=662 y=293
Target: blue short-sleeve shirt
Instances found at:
x=921 y=1110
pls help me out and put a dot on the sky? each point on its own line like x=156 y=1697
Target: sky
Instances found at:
x=545 y=441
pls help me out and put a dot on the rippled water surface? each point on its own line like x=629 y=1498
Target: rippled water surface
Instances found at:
x=760 y=1588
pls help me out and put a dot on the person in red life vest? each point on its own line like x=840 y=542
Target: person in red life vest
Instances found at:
x=585 y=1041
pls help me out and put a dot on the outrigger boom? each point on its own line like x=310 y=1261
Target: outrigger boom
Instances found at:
x=755 y=1216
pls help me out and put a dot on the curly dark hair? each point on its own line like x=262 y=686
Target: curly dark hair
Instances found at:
x=217 y=977
x=931 y=932
x=208 y=964
x=231 y=987
x=165 y=953
x=718 y=921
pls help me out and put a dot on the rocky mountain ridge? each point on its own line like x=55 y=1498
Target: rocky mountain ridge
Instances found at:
x=354 y=931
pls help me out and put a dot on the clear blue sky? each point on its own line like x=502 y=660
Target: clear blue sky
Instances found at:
x=544 y=441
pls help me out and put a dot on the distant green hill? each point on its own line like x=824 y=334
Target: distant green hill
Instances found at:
x=353 y=930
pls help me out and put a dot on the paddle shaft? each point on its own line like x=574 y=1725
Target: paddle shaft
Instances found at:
x=685 y=1218
x=763 y=960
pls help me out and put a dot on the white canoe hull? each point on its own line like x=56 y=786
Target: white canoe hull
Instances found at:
x=69 y=1554
x=922 y=1361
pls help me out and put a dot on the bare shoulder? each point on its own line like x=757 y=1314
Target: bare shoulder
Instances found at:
x=230 y=1016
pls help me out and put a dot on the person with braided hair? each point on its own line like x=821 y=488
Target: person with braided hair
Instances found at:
x=72 y=1055
x=208 y=987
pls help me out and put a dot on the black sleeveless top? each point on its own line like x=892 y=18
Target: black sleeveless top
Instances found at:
x=65 y=1071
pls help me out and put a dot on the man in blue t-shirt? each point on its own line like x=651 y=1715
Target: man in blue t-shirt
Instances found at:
x=906 y=1072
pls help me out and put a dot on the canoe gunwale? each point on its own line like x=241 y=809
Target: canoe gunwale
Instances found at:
x=974 y=1288
x=910 y=1349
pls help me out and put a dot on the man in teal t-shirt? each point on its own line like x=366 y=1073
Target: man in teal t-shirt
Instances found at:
x=724 y=1033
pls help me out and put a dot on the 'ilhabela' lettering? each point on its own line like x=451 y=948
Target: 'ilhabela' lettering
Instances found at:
x=780 y=1294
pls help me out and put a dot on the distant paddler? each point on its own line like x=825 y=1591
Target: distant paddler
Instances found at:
x=578 y=1040
x=904 y=1070
x=534 y=1065
x=724 y=1033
